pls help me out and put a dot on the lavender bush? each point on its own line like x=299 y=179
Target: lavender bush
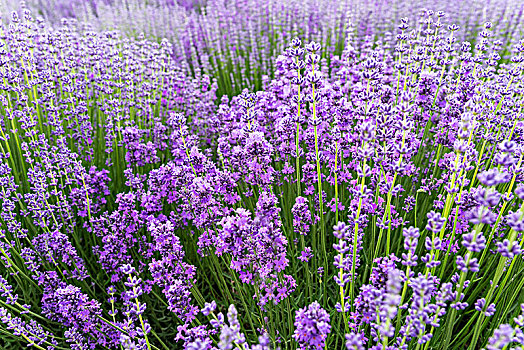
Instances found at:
x=237 y=42
x=272 y=175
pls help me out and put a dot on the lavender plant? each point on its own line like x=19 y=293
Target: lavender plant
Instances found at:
x=363 y=190
x=237 y=42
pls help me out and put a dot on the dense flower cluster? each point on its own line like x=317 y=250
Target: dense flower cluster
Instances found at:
x=261 y=175
x=312 y=327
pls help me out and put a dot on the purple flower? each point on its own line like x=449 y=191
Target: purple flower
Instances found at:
x=474 y=241
x=305 y=255
x=480 y=304
x=311 y=327
x=435 y=222
x=209 y=308
x=301 y=216
x=508 y=249
x=354 y=342
x=502 y=336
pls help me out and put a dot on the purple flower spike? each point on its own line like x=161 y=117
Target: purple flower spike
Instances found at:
x=311 y=327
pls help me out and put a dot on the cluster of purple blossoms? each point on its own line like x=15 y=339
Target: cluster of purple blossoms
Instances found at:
x=312 y=327
x=257 y=248
x=147 y=185
x=170 y=272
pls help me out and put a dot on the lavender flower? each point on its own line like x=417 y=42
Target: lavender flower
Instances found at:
x=312 y=327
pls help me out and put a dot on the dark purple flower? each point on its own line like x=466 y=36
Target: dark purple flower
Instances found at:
x=311 y=327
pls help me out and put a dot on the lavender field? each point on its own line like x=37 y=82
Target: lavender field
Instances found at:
x=261 y=174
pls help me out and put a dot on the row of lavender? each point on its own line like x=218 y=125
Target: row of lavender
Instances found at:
x=238 y=41
x=372 y=200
